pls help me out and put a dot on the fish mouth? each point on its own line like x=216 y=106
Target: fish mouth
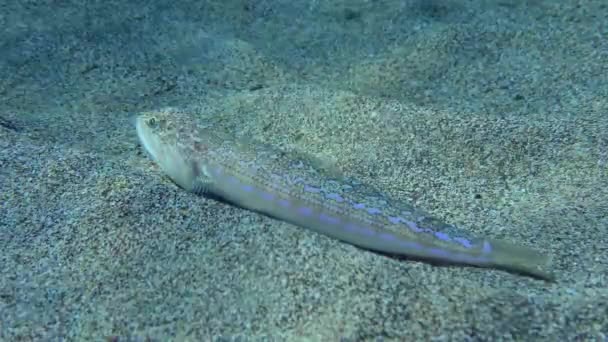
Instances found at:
x=146 y=139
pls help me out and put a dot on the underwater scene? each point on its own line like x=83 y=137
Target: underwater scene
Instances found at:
x=274 y=170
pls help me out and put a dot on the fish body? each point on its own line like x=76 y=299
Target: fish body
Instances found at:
x=268 y=181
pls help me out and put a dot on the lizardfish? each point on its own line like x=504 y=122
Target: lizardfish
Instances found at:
x=265 y=180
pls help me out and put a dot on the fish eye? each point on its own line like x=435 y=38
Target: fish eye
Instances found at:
x=151 y=122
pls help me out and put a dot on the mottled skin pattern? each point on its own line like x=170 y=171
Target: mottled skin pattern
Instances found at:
x=262 y=179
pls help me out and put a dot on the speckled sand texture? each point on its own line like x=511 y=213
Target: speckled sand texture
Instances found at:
x=492 y=115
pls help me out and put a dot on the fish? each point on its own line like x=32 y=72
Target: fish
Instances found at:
x=205 y=160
